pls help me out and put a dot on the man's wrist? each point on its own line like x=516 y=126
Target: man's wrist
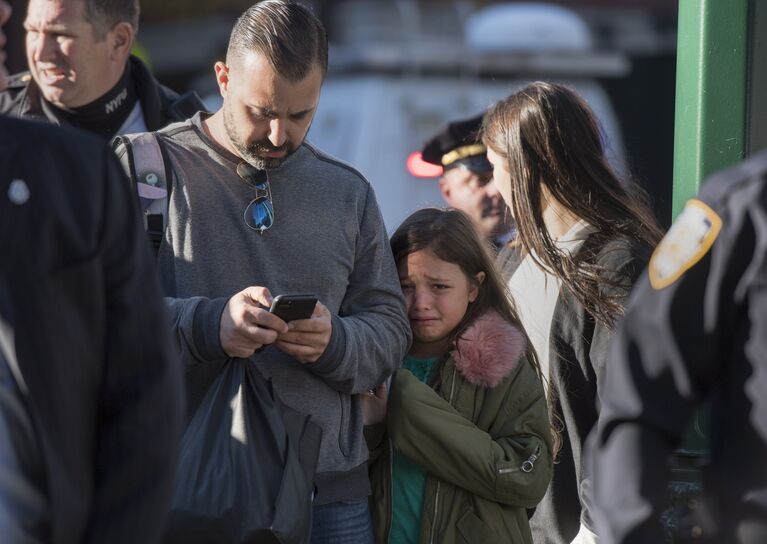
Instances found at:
x=206 y=329
x=334 y=351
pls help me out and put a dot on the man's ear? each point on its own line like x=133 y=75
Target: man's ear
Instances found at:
x=121 y=37
x=444 y=188
x=222 y=77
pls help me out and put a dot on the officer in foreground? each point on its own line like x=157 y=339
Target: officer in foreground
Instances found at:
x=466 y=179
x=695 y=329
x=90 y=394
x=81 y=72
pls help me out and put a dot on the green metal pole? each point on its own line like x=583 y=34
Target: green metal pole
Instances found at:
x=711 y=109
x=711 y=91
x=710 y=134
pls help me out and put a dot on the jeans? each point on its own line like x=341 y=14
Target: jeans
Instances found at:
x=342 y=523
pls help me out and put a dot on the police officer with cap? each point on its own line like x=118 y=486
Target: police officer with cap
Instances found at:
x=82 y=74
x=466 y=181
x=695 y=329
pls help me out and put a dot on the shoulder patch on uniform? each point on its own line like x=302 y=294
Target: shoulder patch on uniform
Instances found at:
x=687 y=241
x=17 y=81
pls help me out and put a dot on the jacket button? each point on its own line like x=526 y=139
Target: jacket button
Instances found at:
x=18 y=192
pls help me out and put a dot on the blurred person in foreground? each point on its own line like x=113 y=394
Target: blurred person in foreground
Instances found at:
x=466 y=182
x=90 y=397
x=81 y=72
x=695 y=329
x=584 y=237
x=257 y=211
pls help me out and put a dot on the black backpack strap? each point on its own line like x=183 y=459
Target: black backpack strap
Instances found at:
x=185 y=106
x=151 y=176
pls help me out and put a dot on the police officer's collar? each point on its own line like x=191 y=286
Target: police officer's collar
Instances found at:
x=105 y=115
x=20 y=80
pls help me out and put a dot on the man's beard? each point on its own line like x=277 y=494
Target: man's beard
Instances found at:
x=252 y=152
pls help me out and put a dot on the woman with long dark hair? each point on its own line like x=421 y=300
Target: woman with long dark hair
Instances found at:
x=584 y=237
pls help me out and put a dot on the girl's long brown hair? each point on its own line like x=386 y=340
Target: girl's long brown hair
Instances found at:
x=549 y=137
x=453 y=238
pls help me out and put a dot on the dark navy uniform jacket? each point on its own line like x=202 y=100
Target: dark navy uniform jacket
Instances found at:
x=695 y=328
x=82 y=318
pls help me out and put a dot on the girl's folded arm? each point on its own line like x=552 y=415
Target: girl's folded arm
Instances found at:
x=512 y=469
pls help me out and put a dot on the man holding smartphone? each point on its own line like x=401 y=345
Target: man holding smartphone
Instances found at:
x=256 y=211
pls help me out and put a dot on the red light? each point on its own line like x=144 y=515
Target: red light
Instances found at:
x=422 y=169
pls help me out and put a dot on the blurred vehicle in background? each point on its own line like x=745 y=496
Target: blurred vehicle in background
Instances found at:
x=402 y=70
x=375 y=123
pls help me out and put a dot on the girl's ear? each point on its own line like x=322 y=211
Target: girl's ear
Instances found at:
x=474 y=291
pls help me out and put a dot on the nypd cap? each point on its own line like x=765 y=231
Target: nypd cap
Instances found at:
x=458 y=144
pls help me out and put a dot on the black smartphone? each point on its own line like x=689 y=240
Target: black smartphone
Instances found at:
x=290 y=307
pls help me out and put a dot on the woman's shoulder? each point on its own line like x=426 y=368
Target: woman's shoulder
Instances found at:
x=489 y=350
x=623 y=249
x=619 y=262
x=509 y=259
x=620 y=253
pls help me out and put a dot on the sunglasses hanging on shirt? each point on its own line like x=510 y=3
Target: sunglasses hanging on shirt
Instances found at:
x=259 y=214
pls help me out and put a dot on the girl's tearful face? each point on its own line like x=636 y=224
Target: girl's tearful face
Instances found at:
x=437 y=294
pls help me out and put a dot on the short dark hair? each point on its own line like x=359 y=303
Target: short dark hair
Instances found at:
x=286 y=33
x=103 y=15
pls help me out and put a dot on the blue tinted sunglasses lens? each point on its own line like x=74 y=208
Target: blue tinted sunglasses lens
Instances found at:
x=262 y=214
x=259 y=215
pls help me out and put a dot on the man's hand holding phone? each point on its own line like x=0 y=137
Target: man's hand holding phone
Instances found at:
x=308 y=332
x=247 y=325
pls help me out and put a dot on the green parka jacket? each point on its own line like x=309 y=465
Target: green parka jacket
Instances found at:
x=481 y=431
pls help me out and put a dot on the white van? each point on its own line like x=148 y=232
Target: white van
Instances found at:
x=388 y=102
x=376 y=122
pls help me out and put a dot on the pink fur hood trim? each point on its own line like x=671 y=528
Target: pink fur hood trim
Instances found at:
x=489 y=350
